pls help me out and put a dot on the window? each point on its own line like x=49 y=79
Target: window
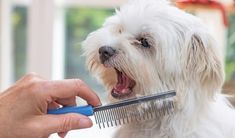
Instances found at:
x=229 y=85
x=79 y=23
x=19 y=32
x=230 y=55
x=13 y=39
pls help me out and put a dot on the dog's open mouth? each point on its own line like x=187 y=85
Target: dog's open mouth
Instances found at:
x=124 y=85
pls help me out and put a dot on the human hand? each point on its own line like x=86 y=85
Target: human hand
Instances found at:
x=23 y=107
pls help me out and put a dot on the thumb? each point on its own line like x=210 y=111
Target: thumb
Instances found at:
x=64 y=123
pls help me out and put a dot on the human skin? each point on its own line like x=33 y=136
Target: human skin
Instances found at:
x=23 y=107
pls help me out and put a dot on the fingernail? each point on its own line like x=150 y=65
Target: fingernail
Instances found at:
x=85 y=123
x=62 y=134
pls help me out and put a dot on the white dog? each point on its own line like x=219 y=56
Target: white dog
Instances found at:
x=151 y=46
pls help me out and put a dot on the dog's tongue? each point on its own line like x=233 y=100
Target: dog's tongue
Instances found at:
x=123 y=86
x=123 y=83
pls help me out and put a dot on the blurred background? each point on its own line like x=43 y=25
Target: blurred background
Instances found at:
x=45 y=36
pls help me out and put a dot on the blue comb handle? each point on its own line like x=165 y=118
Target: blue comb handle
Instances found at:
x=86 y=110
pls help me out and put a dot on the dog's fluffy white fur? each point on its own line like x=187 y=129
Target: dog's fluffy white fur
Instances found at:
x=182 y=56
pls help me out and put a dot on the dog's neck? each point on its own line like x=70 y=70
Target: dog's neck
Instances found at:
x=192 y=108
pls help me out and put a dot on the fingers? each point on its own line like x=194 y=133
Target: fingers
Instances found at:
x=64 y=102
x=53 y=105
x=67 y=101
x=30 y=76
x=63 y=91
x=63 y=123
x=66 y=89
x=62 y=134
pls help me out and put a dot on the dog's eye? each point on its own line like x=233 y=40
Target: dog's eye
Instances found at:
x=144 y=42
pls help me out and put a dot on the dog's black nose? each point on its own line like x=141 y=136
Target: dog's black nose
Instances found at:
x=106 y=52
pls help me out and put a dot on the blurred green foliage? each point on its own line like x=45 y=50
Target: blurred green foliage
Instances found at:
x=19 y=22
x=230 y=55
x=79 y=23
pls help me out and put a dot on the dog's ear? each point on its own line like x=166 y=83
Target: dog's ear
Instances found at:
x=204 y=63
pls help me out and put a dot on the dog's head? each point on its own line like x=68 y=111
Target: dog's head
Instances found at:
x=150 y=46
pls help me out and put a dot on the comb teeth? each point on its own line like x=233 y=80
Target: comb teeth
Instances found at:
x=134 y=113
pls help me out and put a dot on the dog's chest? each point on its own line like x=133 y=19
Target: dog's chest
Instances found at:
x=143 y=129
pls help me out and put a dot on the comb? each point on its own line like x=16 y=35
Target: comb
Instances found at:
x=125 y=111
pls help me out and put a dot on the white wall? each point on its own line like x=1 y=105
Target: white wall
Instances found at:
x=6 y=75
x=214 y=22
x=40 y=37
